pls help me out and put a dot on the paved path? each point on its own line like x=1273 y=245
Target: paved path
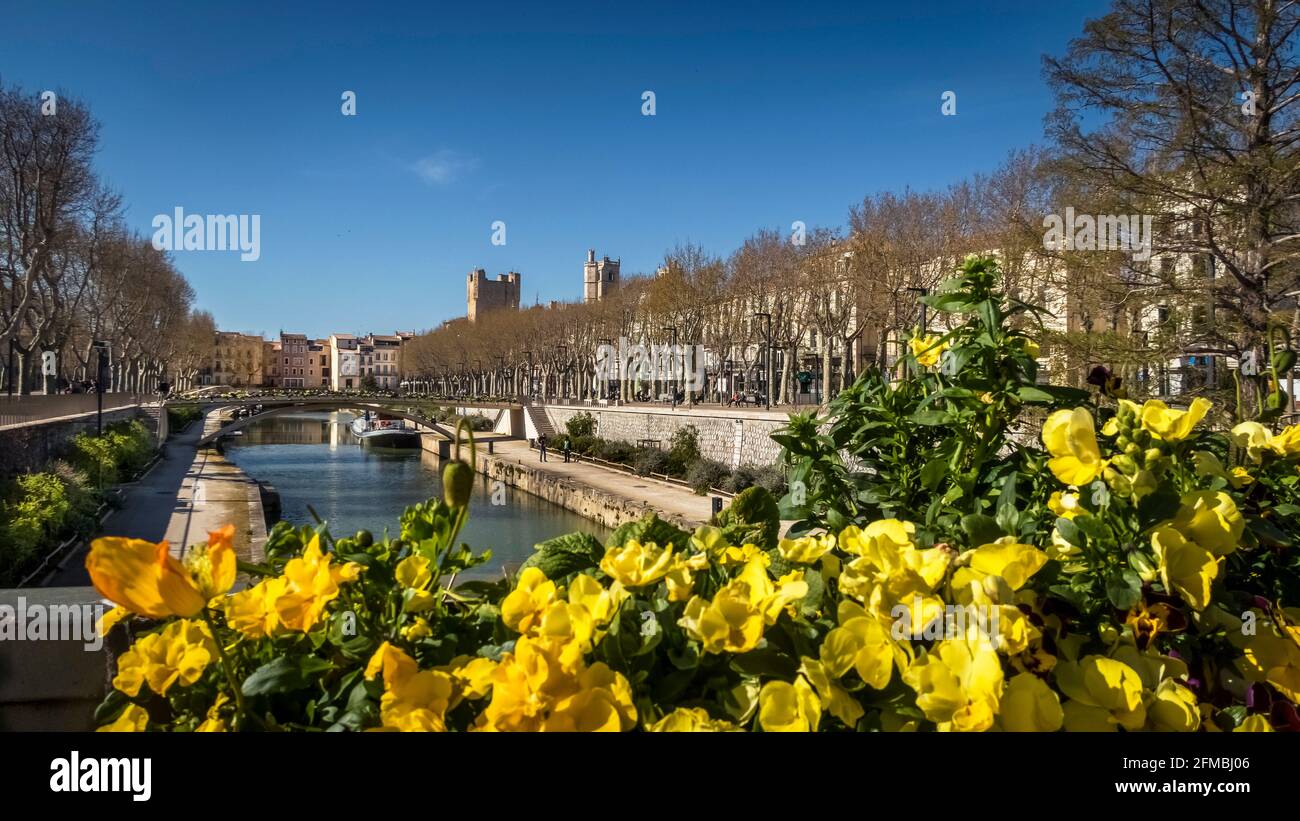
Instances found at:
x=186 y=494
x=671 y=499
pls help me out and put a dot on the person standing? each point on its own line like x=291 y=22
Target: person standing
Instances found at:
x=568 y=447
x=541 y=446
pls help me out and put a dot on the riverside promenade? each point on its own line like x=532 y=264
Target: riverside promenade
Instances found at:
x=186 y=494
x=630 y=495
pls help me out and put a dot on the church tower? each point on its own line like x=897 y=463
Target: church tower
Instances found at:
x=599 y=277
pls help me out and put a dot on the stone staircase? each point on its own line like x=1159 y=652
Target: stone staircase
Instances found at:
x=537 y=416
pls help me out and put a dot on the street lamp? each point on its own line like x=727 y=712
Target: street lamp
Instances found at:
x=672 y=329
x=767 y=358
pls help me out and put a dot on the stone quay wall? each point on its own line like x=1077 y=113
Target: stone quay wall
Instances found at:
x=33 y=445
x=733 y=437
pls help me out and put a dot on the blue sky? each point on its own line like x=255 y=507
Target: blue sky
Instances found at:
x=525 y=113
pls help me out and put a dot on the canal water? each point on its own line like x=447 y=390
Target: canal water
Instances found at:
x=314 y=459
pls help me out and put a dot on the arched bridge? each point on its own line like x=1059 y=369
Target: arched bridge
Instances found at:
x=283 y=407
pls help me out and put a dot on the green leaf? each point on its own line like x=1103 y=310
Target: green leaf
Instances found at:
x=285 y=674
x=1124 y=589
x=752 y=517
x=980 y=529
x=1070 y=532
x=650 y=528
x=1161 y=504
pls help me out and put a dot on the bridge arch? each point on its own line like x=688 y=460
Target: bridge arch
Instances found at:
x=316 y=407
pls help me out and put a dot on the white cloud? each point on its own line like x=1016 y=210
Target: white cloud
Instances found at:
x=444 y=166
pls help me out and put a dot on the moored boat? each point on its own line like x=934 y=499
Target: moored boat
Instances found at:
x=381 y=430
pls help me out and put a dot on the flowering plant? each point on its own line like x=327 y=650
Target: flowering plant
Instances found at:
x=944 y=573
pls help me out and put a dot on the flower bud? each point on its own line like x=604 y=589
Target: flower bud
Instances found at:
x=457 y=483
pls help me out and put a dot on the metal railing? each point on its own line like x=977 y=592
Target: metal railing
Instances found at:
x=18 y=410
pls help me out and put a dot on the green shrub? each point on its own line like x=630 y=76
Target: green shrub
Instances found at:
x=740 y=479
x=615 y=451
x=683 y=449
x=772 y=479
x=586 y=445
x=37 y=511
x=122 y=450
x=651 y=460
x=581 y=425
x=179 y=418
x=706 y=474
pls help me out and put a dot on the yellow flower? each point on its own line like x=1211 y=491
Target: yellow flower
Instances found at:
x=1186 y=568
x=602 y=703
x=838 y=701
x=522 y=610
x=1170 y=425
x=806 y=550
x=1254 y=438
x=1211 y=519
x=147 y=580
x=413 y=572
x=133 y=719
x=1030 y=706
x=1254 y=724
x=416 y=630
x=862 y=643
x=636 y=564
x=535 y=688
x=213 y=722
x=1287 y=443
x=1006 y=558
x=180 y=652
x=789 y=708
x=110 y=619
x=733 y=621
x=1209 y=466
x=295 y=600
x=414 y=700
x=1071 y=440
x=1103 y=693
x=732 y=555
x=690 y=720
x=1174 y=708
x=602 y=604
x=251 y=611
x=309 y=583
x=889 y=568
x=1065 y=504
x=927 y=349
x=1031 y=348
x=1272 y=654
x=958 y=684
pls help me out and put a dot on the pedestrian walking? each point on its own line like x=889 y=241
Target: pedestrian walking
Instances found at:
x=541 y=446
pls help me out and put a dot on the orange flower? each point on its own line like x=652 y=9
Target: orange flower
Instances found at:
x=146 y=579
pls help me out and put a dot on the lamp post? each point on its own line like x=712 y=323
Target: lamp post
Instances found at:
x=767 y=358
x=672 y=347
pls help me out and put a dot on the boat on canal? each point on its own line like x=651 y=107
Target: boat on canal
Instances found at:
x=375 y=429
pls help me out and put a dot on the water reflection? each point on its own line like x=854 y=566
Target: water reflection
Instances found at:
x=314 y=459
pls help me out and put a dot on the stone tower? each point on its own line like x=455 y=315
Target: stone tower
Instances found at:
x=483 y=294
x=599 y=278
